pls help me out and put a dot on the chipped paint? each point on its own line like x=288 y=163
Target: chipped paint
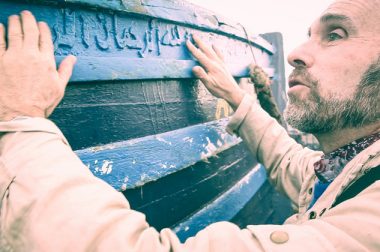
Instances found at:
x=106 y=167
x=147 y=159
x=219 y=143
x=211 y=149
x=124 y=185
x=188 y=139
x=101 y=148
x=163 y=140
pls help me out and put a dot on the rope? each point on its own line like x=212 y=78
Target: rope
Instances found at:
x=249 y=42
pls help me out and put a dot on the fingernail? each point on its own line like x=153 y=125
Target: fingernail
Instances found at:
x=26 y=12
x=42 y=23
x=74 y=58
x=13 y=17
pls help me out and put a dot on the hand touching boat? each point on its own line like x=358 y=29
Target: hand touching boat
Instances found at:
x=30 y=83
x=214 y=74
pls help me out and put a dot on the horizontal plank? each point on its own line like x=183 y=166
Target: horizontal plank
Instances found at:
x=135 y=162
x=226 y=206
x=119 y=68
x=182 y=193
x=121 y=46
x=178 y=11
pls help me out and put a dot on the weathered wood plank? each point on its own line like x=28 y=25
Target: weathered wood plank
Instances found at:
x=177 y=11
x=133 y=163
x=119 y=68
x=226 y=206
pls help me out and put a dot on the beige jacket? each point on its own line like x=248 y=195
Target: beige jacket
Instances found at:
x=50 y=201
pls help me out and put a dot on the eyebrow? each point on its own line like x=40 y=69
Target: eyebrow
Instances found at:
x=337 y=18
x=334 y=17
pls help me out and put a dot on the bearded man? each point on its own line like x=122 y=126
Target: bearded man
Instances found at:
x=51 y=202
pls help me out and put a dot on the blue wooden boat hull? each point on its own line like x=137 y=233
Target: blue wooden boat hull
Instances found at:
x=140 y=121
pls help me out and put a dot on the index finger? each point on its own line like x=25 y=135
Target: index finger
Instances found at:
x=199 y=55
x=208 y=51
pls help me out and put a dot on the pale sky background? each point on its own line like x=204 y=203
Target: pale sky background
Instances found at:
x=290 y=17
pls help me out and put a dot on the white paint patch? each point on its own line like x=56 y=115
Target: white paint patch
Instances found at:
x=219 y=143
x=106 y=167
x=163 y=140
x=143 y=176
x=210 y=148
x=246 y=179
x=124 y=185
x=102 y=147
x=167 y=166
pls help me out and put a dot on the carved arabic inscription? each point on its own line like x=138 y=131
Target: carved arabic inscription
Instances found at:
x=109 y=32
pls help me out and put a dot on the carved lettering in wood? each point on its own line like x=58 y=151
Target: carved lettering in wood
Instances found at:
x=65 y=34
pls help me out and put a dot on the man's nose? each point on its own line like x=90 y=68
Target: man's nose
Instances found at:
x=302 y=56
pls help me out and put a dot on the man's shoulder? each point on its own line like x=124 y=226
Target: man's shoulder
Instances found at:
x=370 y=157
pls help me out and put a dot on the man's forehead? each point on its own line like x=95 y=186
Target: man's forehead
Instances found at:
x=362 y=13
x=355 y=7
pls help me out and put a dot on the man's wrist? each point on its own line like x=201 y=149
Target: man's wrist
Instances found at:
x=236 y=98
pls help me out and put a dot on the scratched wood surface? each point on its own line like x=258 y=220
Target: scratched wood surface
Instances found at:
x=140 y=121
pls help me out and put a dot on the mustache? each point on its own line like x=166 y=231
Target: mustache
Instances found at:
x=304 y=76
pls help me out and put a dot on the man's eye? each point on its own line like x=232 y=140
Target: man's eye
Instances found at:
x=336 y=34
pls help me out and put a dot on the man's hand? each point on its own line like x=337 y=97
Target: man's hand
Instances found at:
x=29 y=81
x=214 y=74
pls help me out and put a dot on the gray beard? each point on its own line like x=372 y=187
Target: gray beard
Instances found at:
x=317 y=115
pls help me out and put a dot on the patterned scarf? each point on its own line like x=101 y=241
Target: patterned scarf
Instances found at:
x=330 y=165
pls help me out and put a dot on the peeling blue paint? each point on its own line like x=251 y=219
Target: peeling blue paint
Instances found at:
x=147 y=159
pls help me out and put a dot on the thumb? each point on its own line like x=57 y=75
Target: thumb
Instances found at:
x=65 y=69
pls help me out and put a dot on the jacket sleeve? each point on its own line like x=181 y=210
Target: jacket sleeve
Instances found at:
x=50 y=201
x=288 y=163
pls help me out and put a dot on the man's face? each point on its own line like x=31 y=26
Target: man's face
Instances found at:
x=336 y=80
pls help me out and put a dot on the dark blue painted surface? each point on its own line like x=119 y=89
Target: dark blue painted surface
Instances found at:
x=140 y=121
x=119 y=68
x=135 y=162
x=175 y=11
x=226 y=206
x=116 y=46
